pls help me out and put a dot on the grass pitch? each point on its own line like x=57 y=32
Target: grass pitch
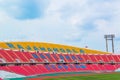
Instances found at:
x=106 y=76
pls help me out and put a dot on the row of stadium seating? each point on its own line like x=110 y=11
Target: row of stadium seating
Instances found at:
x=28 y=70
x=21 y=56
x=9 y=56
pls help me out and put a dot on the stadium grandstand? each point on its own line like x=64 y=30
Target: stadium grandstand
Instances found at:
x=26 y=59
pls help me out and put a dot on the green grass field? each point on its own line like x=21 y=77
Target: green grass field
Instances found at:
x=112 y=76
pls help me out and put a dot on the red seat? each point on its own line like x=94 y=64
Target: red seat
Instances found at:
x=6 y=56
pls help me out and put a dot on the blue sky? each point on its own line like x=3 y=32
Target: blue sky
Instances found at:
x=73 y=22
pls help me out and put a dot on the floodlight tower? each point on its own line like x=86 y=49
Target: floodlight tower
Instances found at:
x=109 y=37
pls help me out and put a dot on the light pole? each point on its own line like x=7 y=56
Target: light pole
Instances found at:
x=109 y=37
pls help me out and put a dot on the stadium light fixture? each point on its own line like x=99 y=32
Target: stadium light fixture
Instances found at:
x=109 y=37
